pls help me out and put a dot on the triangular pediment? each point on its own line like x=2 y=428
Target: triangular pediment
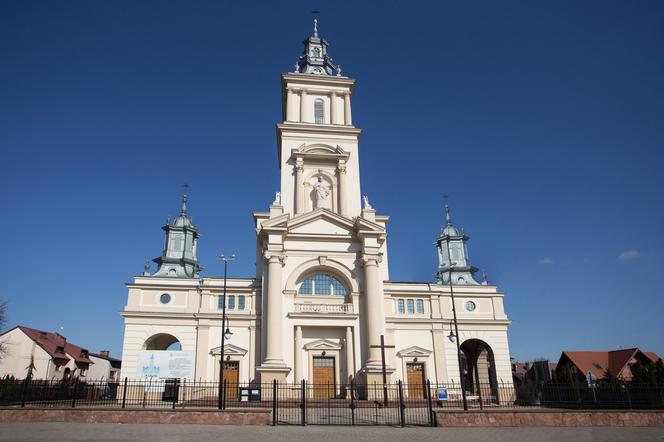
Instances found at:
x=229 y=349
x=322 y=344
x=279 y=221
x=413 y=352
x=321 y=222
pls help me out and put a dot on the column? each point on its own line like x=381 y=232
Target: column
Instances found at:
x=290 y=105
x=348 y=119
x=304 y=117
x=297 y=361
x=350 y=359
x=299 y=186
x=341 y=188
x=334 y=118
x=374 y=314
x=274 y=317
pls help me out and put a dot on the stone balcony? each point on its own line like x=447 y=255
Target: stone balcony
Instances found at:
x=323 y=308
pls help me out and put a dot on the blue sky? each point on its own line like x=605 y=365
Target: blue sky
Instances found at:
x=543 y=121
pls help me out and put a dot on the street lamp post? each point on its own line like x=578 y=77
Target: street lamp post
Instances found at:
x=455 y=337
x=225 y=335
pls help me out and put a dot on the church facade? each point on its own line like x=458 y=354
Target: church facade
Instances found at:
x=322 y=297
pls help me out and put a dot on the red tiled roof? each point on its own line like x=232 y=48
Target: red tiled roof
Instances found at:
x=51 y=342
x=597 y=362
x=48 y=341
x=652 y=356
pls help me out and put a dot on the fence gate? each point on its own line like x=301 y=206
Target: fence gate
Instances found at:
x=349 y=404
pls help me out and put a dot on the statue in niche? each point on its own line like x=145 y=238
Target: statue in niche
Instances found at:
x=322 y=194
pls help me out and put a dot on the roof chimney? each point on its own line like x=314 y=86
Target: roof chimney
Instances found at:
x=104 y=353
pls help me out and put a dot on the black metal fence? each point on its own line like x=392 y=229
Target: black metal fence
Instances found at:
x=304 y=403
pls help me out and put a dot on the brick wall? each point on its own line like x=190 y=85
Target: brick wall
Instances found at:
x=548 y=418
x=211 y=417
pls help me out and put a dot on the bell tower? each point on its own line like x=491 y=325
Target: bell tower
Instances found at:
x=178 y=260
x=317 y=142
x=452 y=251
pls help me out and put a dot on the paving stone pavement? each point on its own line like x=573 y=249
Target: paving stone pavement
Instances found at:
x=63 y=431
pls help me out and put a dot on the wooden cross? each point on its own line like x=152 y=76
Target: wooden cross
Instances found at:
x=382 y=347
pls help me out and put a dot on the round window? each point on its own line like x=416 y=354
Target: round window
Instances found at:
x=470 y=306
x=165 y=298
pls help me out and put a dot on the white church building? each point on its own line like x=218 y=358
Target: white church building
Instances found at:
x=322 y=296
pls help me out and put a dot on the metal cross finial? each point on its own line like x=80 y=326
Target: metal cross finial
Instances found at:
x=315 y=14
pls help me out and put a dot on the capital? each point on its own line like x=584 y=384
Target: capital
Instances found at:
x=371 y=260
x=274 y=257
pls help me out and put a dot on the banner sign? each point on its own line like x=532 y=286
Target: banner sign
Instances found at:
x=165 y=364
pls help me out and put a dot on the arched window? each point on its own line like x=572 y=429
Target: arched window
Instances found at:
x=319 y=111
x=400 y=306
x=322 y=284
x=240 y=302
x=411 y=306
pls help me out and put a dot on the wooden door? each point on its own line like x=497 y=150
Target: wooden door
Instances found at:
x=323 y=374
x=415 y=379
x=231 y=369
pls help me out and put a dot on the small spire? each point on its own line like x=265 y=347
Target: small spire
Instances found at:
x=484 y=281
x=315 y=27
x=183 y=210
x=447 y=215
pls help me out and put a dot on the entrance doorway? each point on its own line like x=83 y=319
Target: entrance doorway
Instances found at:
x=415 y=379
x=231 y=370
x=323 y=377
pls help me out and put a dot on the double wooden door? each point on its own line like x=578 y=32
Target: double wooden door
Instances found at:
x=323 y=377
x=415 y=379
x=231 y=371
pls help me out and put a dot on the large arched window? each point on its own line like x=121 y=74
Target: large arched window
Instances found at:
x=319 y=111
x=322 y=284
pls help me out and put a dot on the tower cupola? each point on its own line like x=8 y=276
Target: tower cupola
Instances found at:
x=178 y=259
x=314 y=58
x=453 y=255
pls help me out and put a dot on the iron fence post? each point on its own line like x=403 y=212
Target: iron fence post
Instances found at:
x=75 y=390
x=352 y=402
x=629 y=399
x=303 y=403
x=402 y=406
x=274 y=402
x=432 y=416
x=223 y=402
x=24 y=391
x=124 y=393
x=176 y=391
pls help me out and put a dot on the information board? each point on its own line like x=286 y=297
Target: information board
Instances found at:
x=166 y=364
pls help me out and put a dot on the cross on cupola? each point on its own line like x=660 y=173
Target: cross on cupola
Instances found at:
x=314 y=58
x=452 y=252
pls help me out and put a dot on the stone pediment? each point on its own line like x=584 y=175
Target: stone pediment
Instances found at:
x=321 y=221
x=319 y=150
x=322 y=344
x=365 y=225
x=414 y=352
x=229 y=349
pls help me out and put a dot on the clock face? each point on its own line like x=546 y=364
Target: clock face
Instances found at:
x=165 y=298
x=470 y=306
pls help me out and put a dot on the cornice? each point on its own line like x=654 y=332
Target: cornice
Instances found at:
x=176 y=315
